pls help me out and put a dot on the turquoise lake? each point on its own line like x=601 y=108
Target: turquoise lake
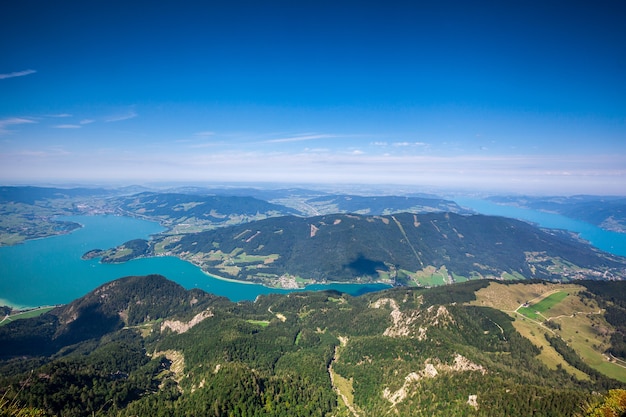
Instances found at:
x=611 y=242
x=50 y=271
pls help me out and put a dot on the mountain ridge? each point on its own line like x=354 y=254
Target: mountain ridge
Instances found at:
x=401 y=249
x=409 y=351
x=128 y=301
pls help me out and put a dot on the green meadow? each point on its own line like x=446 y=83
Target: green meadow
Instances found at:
x=536 y=311
x=26 y=314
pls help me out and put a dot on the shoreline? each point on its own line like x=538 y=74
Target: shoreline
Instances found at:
x=235 y=281
x=19 y=308
x=31 y=239
x=326 y=283
x=7 y=303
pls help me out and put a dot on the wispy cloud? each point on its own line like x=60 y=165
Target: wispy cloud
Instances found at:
x=86 y=121
x=52 y=152
x=203 y=145
x=17 y=74
x=300 y=138
x=130 y=115
x=405 y=143
x=5 y=123
x=67 y=126
x=402 y=144
x=317 y=150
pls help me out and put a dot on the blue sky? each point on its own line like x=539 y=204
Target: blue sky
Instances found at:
x=512 y=97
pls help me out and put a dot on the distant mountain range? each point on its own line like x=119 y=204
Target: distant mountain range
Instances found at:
x=187 y=212
x=401 y=249
x=32 y=195
x=145 y=346
x=198 y=203
x=32 y=212
x=379 y=205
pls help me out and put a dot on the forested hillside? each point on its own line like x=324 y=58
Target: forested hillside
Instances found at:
x=189 y=213
x=400 y=249
x=155 y=349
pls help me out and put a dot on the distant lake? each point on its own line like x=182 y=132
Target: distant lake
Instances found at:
x=612 y=242
x=50 y=271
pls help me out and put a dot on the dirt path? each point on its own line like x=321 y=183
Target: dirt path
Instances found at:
x=574 y=314
x=616 y=361
x=499 y=327
x=527 y=304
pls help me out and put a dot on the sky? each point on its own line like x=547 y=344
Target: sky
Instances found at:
x=500 y=96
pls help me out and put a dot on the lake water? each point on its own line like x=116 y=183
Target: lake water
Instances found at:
x=50 y=271
x=611 y=242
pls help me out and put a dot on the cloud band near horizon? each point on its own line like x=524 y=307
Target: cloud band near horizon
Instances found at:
x=595 y=174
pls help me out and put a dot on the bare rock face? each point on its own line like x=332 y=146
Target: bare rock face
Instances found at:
x=432 y=368
x=413 y=323
x=180 y=327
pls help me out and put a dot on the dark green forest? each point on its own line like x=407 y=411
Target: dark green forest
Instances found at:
x=146 y=346
x=357 y=248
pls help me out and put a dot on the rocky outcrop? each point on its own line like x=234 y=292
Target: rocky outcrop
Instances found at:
x=180 y=327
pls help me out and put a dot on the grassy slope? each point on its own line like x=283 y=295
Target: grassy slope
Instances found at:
x=582 y=325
